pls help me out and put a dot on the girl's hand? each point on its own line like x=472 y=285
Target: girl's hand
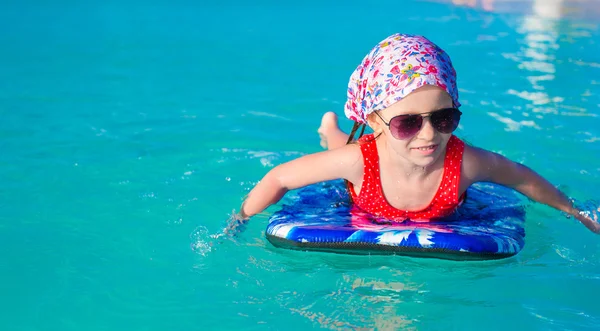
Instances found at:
x=590 y=220
x=235 y=224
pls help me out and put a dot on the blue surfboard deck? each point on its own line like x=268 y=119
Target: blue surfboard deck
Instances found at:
x=488 y=225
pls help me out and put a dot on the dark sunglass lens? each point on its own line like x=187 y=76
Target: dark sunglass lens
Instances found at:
x=446 y=120
x=405 y=126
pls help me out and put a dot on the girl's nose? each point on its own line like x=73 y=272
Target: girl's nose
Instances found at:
x=427 y=131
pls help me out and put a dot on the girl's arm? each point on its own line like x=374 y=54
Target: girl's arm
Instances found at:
x=481 y=165
x=344 y=162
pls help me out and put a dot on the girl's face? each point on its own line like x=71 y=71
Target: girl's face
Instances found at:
x=426 y=146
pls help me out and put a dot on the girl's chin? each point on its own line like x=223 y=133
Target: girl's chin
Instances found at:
x=424 y=160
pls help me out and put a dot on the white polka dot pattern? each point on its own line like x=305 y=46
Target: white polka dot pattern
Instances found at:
x=445 y=202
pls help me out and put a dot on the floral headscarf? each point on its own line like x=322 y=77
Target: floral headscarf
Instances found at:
x=394 y=68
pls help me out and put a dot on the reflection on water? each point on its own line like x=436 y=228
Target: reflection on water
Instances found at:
x=536 y=59
x=553 y=9
x=487 y=5
x=544 y=65
x=550 y=82
x=390 y=296
x=362 y=303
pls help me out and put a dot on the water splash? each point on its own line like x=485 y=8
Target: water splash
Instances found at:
x=201 y=243
x=588 y=208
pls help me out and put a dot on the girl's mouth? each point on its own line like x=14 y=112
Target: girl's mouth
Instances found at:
x=426 y=150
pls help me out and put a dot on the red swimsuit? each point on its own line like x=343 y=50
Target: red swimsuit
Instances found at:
x=445 y=202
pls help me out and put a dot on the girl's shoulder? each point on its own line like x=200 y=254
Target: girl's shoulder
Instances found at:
x=348 y=159
x=480 y=164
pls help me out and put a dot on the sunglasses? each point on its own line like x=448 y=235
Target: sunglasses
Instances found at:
x=405 y=126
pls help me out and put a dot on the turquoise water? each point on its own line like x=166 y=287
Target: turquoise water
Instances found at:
x=130 y=132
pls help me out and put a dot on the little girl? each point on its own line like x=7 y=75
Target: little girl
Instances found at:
x=411 y=166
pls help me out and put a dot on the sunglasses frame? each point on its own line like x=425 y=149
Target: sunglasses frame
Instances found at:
x=455 y=110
